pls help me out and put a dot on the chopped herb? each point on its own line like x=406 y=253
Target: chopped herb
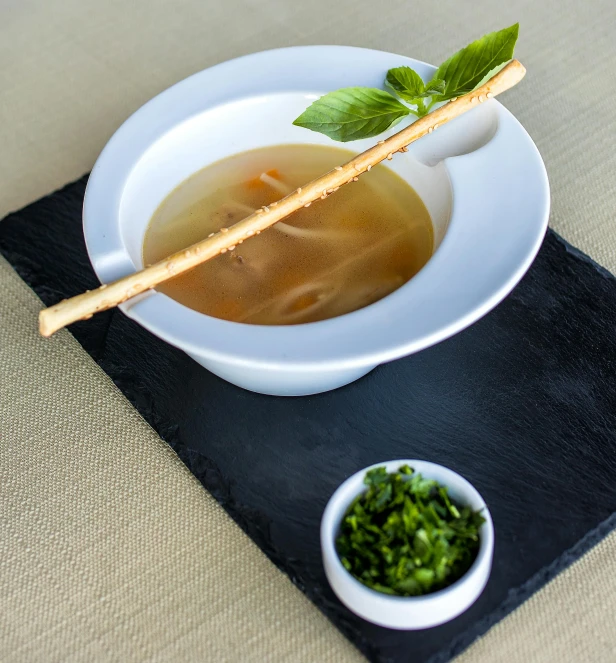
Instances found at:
x=405 y=536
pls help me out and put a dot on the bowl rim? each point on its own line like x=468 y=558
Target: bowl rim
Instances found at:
x=330 y=344
x=351 y=588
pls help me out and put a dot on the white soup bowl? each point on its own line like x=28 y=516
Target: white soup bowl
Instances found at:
x=480 y=176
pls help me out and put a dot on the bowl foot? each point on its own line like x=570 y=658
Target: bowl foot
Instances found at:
x=282 y=382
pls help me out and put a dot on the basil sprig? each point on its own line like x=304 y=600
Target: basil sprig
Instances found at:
x=404 y=535
x=352 y=113
x=363 y=112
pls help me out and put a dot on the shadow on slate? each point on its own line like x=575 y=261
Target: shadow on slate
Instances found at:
x=523 y=404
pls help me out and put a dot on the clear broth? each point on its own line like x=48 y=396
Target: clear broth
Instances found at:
x=337 y=256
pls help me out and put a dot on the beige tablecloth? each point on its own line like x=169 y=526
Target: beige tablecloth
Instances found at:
x=109 y=549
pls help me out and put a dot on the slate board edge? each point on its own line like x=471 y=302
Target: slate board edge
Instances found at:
x=208 y=474
x=522 y=593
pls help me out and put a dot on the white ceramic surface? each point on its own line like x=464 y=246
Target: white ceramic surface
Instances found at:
x=480 y=176
x=407 y=613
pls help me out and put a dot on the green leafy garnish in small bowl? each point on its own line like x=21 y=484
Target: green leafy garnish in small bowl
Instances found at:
x=405 y=536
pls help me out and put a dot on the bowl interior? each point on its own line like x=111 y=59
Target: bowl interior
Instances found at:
x=243 y=125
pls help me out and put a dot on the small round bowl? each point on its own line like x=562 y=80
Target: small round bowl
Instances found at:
x=400 y=612
x=480 y=177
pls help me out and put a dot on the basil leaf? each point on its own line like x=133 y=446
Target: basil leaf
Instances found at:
x=471 y=66
x=409 y=86
x=490 y=74
x=435 y=86
x=352 y=113
x=407 y=83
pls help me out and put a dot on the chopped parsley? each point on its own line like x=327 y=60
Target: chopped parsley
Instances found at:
x=405 y=536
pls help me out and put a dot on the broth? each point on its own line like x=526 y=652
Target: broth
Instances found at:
x=336 y=256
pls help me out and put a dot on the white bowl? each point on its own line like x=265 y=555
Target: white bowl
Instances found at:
x=398 y=612
x=480 y=176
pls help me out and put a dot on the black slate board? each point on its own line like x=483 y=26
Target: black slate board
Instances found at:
x=523 y=404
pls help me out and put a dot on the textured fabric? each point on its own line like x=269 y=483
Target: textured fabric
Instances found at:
x=109 y=549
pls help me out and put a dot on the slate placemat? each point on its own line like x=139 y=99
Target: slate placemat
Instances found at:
x=523 y=404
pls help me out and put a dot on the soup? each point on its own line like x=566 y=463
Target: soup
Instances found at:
x=337 y=256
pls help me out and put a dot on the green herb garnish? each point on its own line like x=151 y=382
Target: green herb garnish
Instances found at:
x=405 y=536
x=363 y=112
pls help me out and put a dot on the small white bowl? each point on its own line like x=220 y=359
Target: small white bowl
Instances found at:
x=480 y=177
x=399 y=612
